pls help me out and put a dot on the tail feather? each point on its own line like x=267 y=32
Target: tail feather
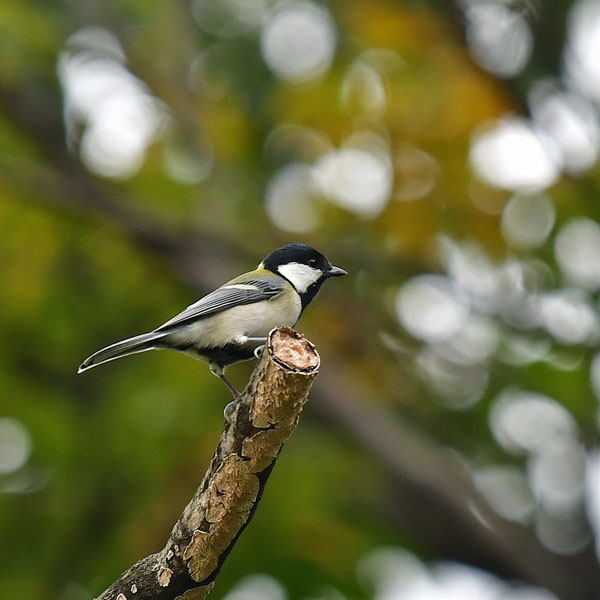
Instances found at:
x=139 y=343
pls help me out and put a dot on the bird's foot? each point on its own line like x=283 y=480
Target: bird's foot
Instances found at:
x=229 y=410
x=218 y=370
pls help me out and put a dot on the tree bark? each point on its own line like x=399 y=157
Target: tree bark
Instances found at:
x=257 y=426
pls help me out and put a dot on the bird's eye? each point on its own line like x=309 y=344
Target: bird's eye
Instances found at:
x=312 y=262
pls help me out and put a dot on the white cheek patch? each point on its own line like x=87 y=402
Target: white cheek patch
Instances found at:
x=300 y=276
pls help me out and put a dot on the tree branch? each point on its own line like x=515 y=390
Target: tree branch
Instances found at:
x=258 y=426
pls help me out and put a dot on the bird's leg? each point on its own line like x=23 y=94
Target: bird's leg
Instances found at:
x=228 y=383
x=218 y=370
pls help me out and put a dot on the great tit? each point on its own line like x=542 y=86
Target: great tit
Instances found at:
x=232 y=323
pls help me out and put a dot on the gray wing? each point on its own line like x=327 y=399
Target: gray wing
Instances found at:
x=229 y=295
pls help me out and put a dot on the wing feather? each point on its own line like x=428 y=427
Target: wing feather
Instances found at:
x=234 y=293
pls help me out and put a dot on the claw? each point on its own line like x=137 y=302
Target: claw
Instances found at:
x=229 y=410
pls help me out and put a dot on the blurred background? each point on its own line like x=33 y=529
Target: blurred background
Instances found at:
x=445 y=153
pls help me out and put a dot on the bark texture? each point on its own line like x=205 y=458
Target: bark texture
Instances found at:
x=256 y=429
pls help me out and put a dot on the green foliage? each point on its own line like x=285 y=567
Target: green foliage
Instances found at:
x=90 y=257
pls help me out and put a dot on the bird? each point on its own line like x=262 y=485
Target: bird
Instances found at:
x=231 y=323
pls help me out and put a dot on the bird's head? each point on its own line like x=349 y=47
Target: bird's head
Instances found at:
x=304 y=267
